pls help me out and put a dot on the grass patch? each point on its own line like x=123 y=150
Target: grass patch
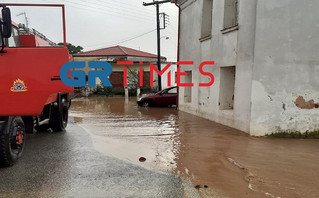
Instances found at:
x=294 y=134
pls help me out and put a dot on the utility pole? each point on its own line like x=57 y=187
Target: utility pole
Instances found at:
x=157 y=3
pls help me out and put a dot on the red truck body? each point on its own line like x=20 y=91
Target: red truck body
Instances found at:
x=32 y=95
x=38 y=68
x=32 y=40
x=34 y=67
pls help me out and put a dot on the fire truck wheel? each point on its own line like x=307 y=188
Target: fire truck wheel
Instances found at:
x=59 y=117
x=12 y=141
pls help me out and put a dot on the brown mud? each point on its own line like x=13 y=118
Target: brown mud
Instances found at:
x=214 y=157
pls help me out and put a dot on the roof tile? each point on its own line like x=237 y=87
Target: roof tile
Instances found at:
x=116 y=51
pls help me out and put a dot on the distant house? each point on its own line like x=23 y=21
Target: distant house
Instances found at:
x=266 y=63
x=120 y=53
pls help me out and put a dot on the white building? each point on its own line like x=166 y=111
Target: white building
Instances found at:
x=164 y=77
x=266 y=70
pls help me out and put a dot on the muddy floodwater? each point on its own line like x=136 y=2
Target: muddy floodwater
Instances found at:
x=218 y=160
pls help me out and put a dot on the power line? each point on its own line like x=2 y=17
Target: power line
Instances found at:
x=108 y=12
x=122 y=41
x=131 y=10
x=117 y=7
x=118 y=14
x=134 y=37
x=121 y=15
x=126 y=5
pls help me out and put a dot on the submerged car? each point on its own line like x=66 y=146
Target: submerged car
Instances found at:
x=166 y=97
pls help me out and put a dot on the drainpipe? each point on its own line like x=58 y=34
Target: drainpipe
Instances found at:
x=178 y=43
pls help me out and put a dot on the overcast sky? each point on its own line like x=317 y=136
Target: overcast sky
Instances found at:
x=96 y=24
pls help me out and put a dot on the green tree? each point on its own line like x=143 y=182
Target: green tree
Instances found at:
x=72 y=48
x=132 y=78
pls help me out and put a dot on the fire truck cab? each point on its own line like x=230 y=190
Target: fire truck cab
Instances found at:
x=32 y=95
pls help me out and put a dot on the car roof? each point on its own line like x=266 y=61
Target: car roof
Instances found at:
x=170 y=87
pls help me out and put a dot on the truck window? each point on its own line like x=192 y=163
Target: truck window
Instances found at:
x=44 y=31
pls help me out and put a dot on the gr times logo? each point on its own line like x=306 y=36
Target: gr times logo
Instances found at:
x=72 y=73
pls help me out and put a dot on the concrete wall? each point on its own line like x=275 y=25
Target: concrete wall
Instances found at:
x=275 y=53
x=226 y=48
x=285 y=84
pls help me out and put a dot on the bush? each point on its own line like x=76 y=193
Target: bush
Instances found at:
x=106 y=91
x=294 y=134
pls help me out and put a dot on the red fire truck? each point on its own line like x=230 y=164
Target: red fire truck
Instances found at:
x=32 y=95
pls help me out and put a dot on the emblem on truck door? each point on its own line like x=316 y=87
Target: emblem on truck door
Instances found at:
x=18 y=86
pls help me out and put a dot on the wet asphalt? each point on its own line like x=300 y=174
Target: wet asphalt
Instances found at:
x=67 y=165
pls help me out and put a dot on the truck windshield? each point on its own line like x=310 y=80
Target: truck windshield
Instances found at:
x=35 y=26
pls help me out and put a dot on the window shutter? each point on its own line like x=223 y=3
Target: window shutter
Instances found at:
x=230 y=13
x=207 y=18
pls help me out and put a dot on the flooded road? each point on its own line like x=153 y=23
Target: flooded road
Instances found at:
x=65 y=164
x=126 y=131
x=218 y=160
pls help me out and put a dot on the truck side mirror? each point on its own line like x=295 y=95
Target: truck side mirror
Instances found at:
x=6 y=21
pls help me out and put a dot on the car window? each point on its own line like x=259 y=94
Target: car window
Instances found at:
x=172 y=91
